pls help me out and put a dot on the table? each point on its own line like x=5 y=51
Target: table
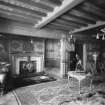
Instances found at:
x=79 y=76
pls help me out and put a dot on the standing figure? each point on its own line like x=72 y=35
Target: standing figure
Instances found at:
x=79 y=66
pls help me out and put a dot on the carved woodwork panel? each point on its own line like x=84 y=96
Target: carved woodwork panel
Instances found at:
x=16 y=46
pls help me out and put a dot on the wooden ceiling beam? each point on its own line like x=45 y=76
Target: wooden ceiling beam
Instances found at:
x=66 y=5
x=61 y=25
x=98 y=24
x=62 y=22
x=66 y=25
x=12 y=28
x=17 y=17
x=57 y=28
x=96 y=16
x=16 y=21
x=22 y=9
x=20 y=12
x=55 y=2
x=81 y=19
x=49 y=2
x=38 y=4
x=99 y=2
x=9 y=13
x=73 y=22
x=74 y=19
x=69 y=23
x=82 y=15
x=24 y=5
x=92 y=5
x=94 y=9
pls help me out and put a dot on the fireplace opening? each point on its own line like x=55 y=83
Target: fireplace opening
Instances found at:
x=27 y=67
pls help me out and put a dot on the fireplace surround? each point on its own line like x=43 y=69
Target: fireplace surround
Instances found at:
x=26 y=64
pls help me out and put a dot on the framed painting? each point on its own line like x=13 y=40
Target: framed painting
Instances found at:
x=16 y=46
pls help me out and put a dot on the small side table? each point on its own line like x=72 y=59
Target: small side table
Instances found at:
x=79 y=76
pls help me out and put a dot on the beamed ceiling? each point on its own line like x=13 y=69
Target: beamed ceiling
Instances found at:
x=72 y=16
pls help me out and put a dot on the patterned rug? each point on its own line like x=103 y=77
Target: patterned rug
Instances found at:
x=59 y=93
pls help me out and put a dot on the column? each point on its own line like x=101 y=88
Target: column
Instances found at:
x=84 y=56
x=63 y=57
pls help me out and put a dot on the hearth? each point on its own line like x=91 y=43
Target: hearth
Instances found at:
x=37 y=78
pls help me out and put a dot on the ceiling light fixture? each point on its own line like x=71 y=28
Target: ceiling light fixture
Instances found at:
x=101 y=35
x=103 y=30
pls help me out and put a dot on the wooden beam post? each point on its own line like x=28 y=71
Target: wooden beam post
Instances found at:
x=98 y=24
x=63 y=57
x=84 y=57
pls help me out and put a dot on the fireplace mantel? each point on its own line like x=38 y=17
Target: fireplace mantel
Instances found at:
x=16 y=59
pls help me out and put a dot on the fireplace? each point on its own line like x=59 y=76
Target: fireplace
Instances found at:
x=24 y=65
x=27 y=67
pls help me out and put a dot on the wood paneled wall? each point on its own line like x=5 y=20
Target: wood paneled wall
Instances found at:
x=4 y=50
x=21 y=45
x=52 y=55
x=27 y=45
